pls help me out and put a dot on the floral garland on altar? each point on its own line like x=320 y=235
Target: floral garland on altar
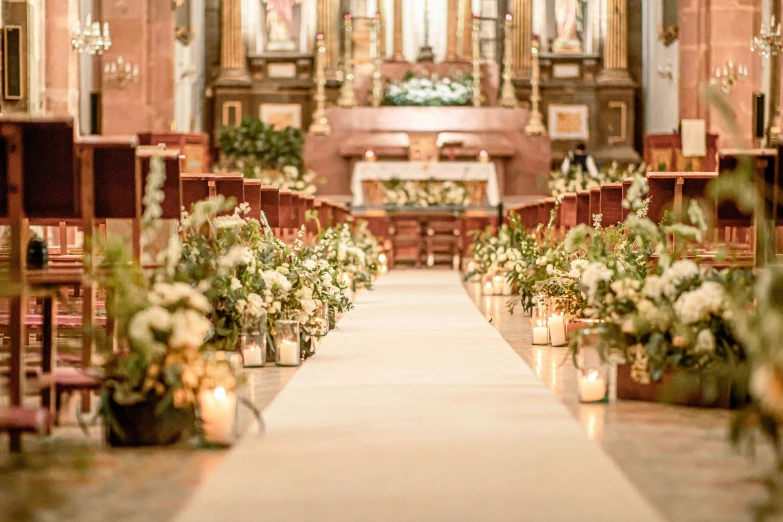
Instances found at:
x=430 y=193
x=414 y=91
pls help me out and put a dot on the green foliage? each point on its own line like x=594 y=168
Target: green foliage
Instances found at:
x=254 y=146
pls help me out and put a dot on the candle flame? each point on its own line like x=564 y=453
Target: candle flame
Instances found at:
x=220 y=393
x=592 y=376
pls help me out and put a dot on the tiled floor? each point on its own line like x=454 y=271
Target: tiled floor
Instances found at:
x=678 y=457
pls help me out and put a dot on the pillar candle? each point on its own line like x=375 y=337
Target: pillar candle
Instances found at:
x=540 y=334
x=288 y=353
x=557 y=330
x=592 y=387
x=497 y=285
x=253 y=356
x=218 y=410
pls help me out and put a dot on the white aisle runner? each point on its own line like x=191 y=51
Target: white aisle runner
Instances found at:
x=416 y=409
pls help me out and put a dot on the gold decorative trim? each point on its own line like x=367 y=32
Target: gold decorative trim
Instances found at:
x=668 y=35
x=232 y=104
x=623 y=122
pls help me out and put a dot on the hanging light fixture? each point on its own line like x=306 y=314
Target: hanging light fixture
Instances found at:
x=93 y=39
x=121 y=72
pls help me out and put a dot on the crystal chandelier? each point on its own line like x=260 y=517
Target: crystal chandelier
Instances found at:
x=92 y=39
x=768 y=42
x=121 y=72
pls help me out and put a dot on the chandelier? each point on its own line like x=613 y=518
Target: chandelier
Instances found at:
x=768 y=42
x=728 y=75
x=121 y=72
x=92 y=39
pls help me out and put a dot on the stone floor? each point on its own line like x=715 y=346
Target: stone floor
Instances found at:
x=678 y=457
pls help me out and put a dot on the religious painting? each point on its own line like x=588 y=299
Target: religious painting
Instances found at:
x=568 y=122
x=570 y=23
x=281 y=115
x=280 y=25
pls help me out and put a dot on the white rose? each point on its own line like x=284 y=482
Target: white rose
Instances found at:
x=236 y=284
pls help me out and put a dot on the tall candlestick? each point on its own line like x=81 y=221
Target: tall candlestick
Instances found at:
x=535 y=125
x=508 y=96
x=347 y=95
x=320 y=123
x=375 y=51
x=476 y=60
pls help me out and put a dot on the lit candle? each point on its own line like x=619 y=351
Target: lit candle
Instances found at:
x=487 y=288
x=507 y=287
x=369 y=156
x=218 y=410
x=253 y=356
x=557 y=330
x=483 y=156
x=497 y=284
x=540 y=334
x=382 y=259
x=508 y=18
x=592 y=387
x=288 y=353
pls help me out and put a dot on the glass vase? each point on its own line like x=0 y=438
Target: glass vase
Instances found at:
x=287 y=338
x=593 y=384
x=252 y=341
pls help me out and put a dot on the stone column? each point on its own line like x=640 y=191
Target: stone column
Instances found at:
x=774 y=127
x=233 y=62
x=616 y=43
x=327 y=20
x=398 y=55
x=61 y=97
x=467 y=30
x=452 y=20
x=523 y=37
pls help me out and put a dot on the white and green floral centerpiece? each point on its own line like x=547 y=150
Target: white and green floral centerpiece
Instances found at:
x=430 y=193
x=417 y=91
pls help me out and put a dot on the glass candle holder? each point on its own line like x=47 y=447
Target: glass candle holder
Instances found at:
x=217 y=407
x=498 y=280
x=252 y=342
x=594 y=385
x=288 y=351
x=487 y=286
x=540 y=332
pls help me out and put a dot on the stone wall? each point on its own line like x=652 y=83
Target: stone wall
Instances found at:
x=712 y=32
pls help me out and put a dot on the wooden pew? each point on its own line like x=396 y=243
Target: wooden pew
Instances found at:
x=583 y=216
x=673 y=191
x=194 y=146
x=663 y=153
x=568 y=208
x=595 y=203
x=611 y=203
x=252 y=195
x=270 y=204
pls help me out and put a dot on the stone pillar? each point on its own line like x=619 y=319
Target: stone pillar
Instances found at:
x=233 y=62
x=774 y=127
x=398 y=55
x=616 y=43
x=523 y=37
x=467 y=30
x=61 y=96
x=452 y=21
x=327 y=26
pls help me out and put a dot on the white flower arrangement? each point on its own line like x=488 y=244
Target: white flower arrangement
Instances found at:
x=429 y=92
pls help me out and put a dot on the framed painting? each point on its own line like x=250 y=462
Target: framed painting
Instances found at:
x=281 y=115
x=568 y=122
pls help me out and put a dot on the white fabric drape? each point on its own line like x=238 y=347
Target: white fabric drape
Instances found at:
x=414 y=27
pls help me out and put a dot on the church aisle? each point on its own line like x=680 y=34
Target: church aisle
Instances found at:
x=416 y=409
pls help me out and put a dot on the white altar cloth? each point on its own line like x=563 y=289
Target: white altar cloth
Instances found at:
x=419 y=171
x=416 y=410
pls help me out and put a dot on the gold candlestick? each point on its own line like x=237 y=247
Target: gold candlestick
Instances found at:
x=476 y=61
x=535 y=126
x=320 y=123
x=347 y=95
x=377 y=85
x=508 y=96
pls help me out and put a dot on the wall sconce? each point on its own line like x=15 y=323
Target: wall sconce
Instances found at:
x=666 y=71
x=728 y=75
x=768 y=42
x=121 y=72
x=93 y=39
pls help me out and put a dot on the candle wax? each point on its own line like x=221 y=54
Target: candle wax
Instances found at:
x=288 y=353
x=218 y=410
x=592 y=387
x=557 y=330
x=253 y=355
x=540 y=335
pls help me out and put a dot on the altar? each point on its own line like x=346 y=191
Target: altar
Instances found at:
x=432 y=134
x=477 y=179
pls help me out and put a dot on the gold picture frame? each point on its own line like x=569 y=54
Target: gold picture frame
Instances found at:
x=281 y=115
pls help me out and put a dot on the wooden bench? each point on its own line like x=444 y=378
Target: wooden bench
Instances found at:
x=583 y=216
x=611 y=204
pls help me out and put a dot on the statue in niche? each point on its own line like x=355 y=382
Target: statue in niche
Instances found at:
x=570 y=23
x=279 y=24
